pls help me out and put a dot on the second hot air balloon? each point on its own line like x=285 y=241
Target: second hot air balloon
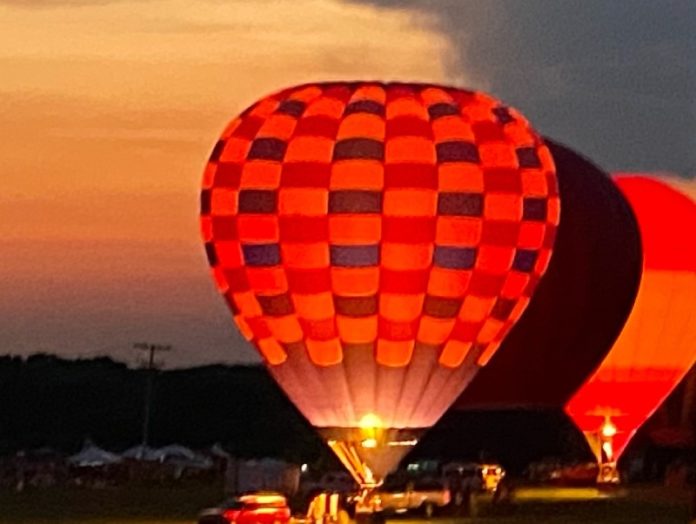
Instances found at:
x=656 y=347
x=376 y=242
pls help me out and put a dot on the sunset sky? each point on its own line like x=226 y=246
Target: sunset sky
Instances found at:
x=109 y=109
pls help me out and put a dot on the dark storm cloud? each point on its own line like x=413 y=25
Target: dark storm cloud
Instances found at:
x=616 y=80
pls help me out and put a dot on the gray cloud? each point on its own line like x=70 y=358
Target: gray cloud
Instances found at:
x=616 y=80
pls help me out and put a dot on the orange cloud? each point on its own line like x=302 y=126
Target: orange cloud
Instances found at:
x=108 y=111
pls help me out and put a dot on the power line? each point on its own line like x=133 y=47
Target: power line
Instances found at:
x=147 y=410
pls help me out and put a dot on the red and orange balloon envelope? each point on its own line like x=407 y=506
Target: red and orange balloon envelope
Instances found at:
x=656 y=346
x=376 y=242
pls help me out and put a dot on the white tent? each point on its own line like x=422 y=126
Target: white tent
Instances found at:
x=182 y=457
x=92 y=456
x=218 y=451
x=175 y=452
x=141 y=452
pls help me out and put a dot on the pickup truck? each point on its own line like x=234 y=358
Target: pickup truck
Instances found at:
x=424 y=495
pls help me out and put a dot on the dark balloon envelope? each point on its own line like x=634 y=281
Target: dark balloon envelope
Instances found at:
x=376 y=242
x=582 y=302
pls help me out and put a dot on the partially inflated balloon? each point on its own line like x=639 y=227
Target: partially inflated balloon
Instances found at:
x=376 y=242
x=657 y=345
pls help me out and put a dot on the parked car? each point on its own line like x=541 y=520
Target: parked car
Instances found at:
x=253 y=508
x=473 y=476
x=492 y=475
x=575 y=474
x=426 y=495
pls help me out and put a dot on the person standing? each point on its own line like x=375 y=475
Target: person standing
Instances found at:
x=316 y=513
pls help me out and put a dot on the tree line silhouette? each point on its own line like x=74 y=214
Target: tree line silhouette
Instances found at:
x=48 y=401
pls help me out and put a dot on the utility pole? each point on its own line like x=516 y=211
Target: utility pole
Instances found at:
x=147 y=411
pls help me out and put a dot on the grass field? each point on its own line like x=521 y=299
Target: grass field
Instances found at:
x=126 y=505
x=173 y=505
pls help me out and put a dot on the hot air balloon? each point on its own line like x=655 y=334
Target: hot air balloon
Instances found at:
x=376 y=242
x=581 y=304
x=657 y=345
